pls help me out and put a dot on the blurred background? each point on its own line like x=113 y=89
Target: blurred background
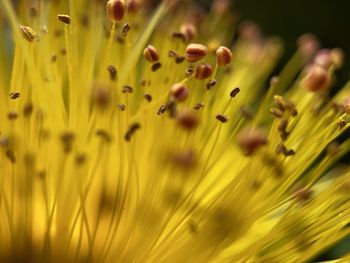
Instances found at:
x=328 y=19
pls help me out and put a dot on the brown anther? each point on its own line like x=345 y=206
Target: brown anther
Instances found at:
x=11 y=156
x=179 y=59
x=302 y=194
x=171 y=108
x=316 y=79
x=120 y=39
x=14 y=95
x=172 y=54
x=63 y=51
x=161 y=109
x=179 y=35
x=341 y=124
x=116 y=9
x=251 y=139
x=234 y=92
x=283 y=125
x=246 y=112
x=33 y=11
x=222 y=118
x=189 y=71
x=112 y=72
x=132 y=129
x=85 y=20
x=121 y=107
x=223 y=56
x=187 y=119
x=210 y=84
x=276 y=112
x=189 y=31
x=185 y=159
x=156 y=66
x=203 y=71
x=64 y=19
x=346 y=105
x=80 y=159
x=28 y=109
x=195 y=52
x=127 y=89
x=104 y=135
x=12 y=115
x=53 y=58
x=67 y=139
x=179 y=92
x=284 y=135
x=126 y=29
x=151 y=54
x=29 y=34
x=101 y=96
x=148 y=97
x=333 y=148
x=198 y=106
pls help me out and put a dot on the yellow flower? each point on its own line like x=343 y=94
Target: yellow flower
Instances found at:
x=113 y=148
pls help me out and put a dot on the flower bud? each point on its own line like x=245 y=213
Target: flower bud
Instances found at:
x=195 y=52
x=179 y=92
x=223 y=56
x=189 y=31
x=151 y=54
x=116 y=9
x=316 y=79
x=203 y=71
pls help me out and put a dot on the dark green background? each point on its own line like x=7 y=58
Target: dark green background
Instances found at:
x=328 y=19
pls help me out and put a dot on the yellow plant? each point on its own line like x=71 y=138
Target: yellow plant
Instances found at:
x=133 y=134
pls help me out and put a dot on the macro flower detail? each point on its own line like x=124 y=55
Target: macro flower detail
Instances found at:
x=191 y=149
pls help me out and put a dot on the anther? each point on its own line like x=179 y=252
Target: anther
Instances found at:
x=14 y=95
x=250 y=140
x=127 y=89
x=101 y=96
x=210 y=84
x=308 y=44
x=172 y=54
x=11 y=156
x=171 y=108
x=189 y=71
x=112 y=72
x=67 y=139
x=12 y=115
x=64 y=19
x=283 y=125
x=132 y=129
x=179 y=92
x=116 y=9
x=203 y=71
x=104 y=135
x=337 y=57
x=179 y=35
x=156 y=66
x=316 y=79
x=341 y=124
x=28 y=109
x=126 y=29
x=195 y=52
x=234 y=92
x=179 y=59
x=276 y=112
x=53 y=58
x=80 y=159
x=246 y=112
x=223 y=56
x=151 y=54
x=121 y=107
x=198 y=106
x=222 y=118
x=161 y=109
x=29 y=34
x=148 y=97
x=187 y=119
x=189 y=31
